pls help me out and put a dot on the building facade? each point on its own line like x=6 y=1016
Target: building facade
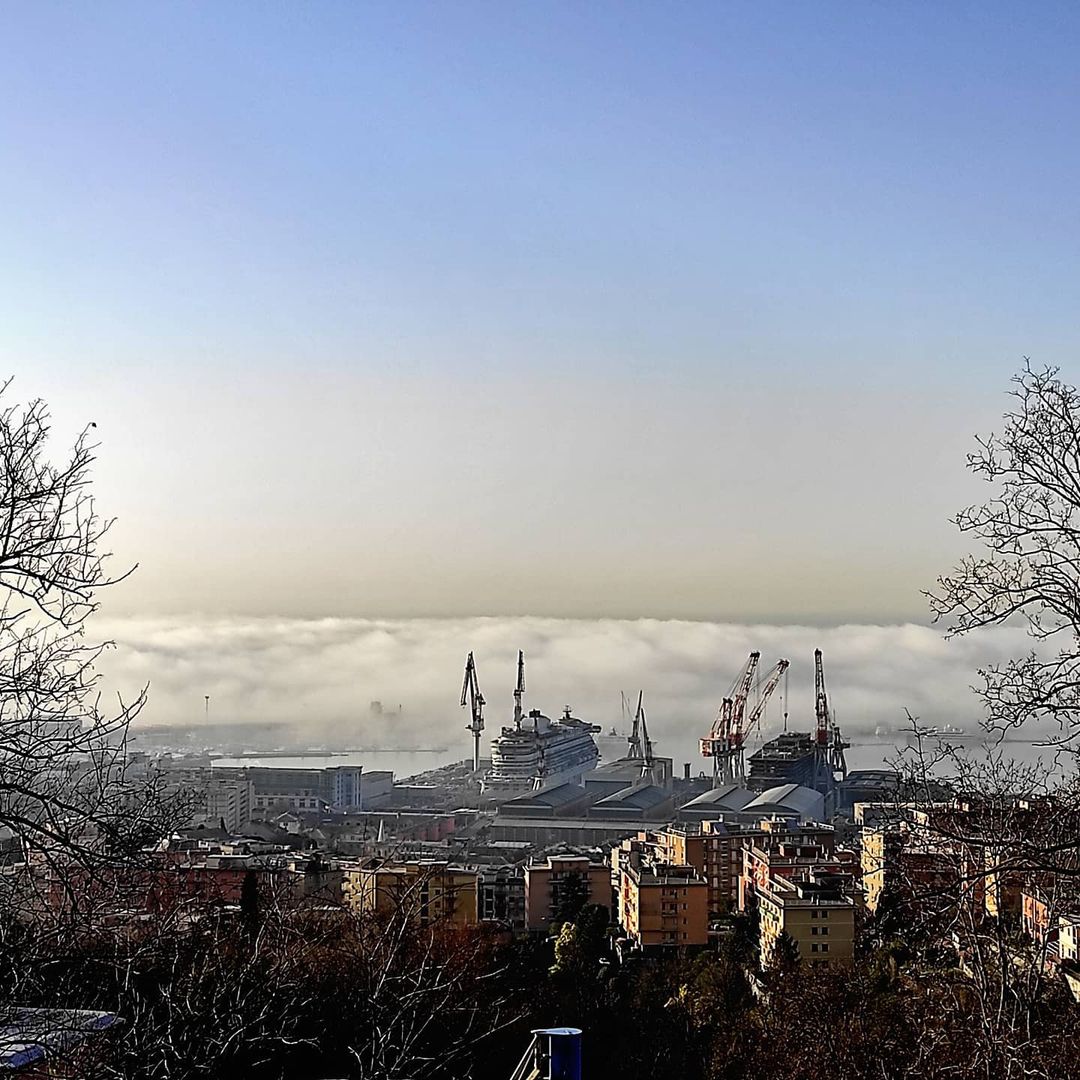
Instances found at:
x=815 y=913
x=429 y=891
x=662 y=906
x=562 y=882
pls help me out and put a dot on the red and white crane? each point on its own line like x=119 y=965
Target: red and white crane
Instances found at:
x=734 y=765
x=726 y=742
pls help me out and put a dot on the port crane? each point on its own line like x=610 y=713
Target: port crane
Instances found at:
x=641 y=748
x=519 y=690
x=471 y=696
x=740 y=735
x=717 y=744
x=726 y=742
x=828 y=742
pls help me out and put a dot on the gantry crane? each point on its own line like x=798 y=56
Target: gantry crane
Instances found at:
x=471 y=696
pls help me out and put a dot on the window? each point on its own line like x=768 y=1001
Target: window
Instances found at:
x=813 y=948
x=824 y=948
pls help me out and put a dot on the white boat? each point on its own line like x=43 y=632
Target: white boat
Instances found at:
x=949 y=732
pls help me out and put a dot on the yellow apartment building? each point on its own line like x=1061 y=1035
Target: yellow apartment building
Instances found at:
x=662 y=905
x=434 y=892
x=815 y=913
x=550 y=885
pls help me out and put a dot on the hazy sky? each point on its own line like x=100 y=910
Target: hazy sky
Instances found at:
x=321 y=675
x=560 y=309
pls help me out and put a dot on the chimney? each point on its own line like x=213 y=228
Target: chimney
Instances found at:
x=686 y=770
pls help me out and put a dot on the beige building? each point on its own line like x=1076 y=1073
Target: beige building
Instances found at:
x=434 y=892
x=1069 y=938
x=562 y=881
x=910 y=863
x=663 y=905
x=228 y=802
x=815 y=913
x=715 y=850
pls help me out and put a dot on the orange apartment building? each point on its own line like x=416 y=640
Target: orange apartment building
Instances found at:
x=435 y=891
x=796 y=856
x=549 y=885
x=715 y=850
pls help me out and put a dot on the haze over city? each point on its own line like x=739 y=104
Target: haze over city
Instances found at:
x=539 y=541
x=477 y=311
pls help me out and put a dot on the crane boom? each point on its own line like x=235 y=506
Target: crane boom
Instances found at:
x=471 y=696
x=641 y=744
x=767 y=689
x=742 y=693
x=519 y=690
x=730 y=707
x=646 y=742
x=821 y=701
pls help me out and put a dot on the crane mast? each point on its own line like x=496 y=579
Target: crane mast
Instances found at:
x=634 y=748
x=821 y=702
x=830 y=765
x=519 y=690
x=471 y=696
x=641 y=748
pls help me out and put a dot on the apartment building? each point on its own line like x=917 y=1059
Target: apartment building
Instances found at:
x=562 y=882
x=1037 y=913
x=908 y=863
x=433 y=891
x=1069 y=938
x=662 y=906
x=796 y=856
x=502 y=896
x=227 y=803
x=815 y=912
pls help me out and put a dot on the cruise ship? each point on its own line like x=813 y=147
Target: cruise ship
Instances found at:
x=538 y=751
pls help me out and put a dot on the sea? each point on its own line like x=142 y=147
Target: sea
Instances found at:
x=864 y=753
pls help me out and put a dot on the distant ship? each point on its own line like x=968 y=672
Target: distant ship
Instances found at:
x=542 y=753
x=612 y=745
x=942 y=731
x=950 y=731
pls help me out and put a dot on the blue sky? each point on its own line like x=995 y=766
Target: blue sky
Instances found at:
x=650 y=222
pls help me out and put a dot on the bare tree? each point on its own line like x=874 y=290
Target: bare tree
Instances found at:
x=1030 y=573
x=65 y=794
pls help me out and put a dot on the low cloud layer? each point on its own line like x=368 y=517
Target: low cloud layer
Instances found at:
x=322 y=675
